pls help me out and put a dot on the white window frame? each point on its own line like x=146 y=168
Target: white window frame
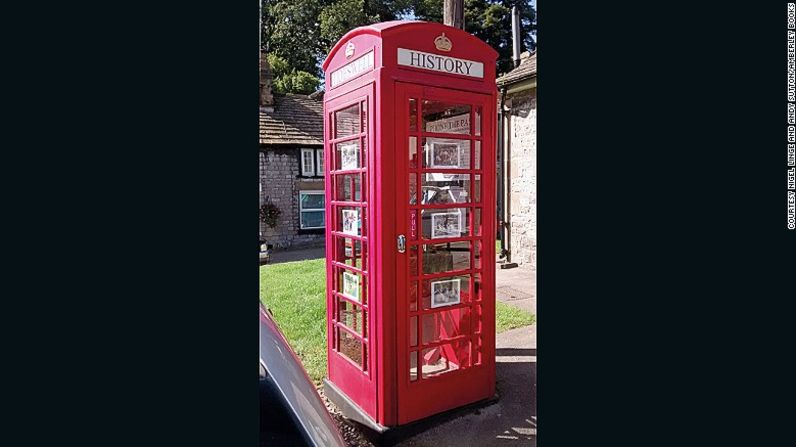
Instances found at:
x=304 y=171
x=319 y=162
x=302 y=210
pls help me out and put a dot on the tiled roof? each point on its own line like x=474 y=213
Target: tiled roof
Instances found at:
x=296 y=119
x=526 y=69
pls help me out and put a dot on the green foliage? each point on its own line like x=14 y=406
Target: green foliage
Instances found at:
x=279 y=66
x=269 y=214
x=297 y=82
x=291 y=31
x=341 y=17
x=301 y=32
x=490 y=21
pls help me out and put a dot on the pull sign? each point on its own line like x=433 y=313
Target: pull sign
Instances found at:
x=413 y=225
x=444 y=64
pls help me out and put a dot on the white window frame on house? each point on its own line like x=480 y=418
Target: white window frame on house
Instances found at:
x=311 y=162
x=319 y=162
x=307 y=171
x=302 y=210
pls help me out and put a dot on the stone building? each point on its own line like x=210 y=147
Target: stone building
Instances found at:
x=291 y=166
x=517 y=102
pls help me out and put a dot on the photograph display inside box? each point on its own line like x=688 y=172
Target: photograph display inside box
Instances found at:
x=453 y=190
x=445 y=155
x=351 y=222
x=351 y=286
x=349 y=156
x=446 y=293
x=447 y=224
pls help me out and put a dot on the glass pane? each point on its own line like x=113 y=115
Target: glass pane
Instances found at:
x=349 y=188
x=477 y=189
x=312 y=219
x=477 y=155
x=413 y=365
x=450 y=256
x=351 y=315
x=413 y=260
x=477 y=318
x=349 y=252
x=412 y=152
x=446 y=153
x=350 y=346
x=350 y=220
x=445 y=223
x=412 y=188
x=439 y=189
x=478 y=254
x=347 y=121
x=307 y=163
x=413 y=114
x=412 y=296
x=312 y=201
x=446 y=325
x=477 y=344
x=477 y=222
x=448 y=291
x=445 y=117
x=364 y=116
x=351 y=285
x=446 y=358
x=477 y=287
x=477 y=120
x=347 y=155
x=413 y=331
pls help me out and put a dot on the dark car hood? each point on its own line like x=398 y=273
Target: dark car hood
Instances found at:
x=292 y=381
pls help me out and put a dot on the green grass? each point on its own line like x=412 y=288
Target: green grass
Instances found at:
x=509 y=317
x=295 y=293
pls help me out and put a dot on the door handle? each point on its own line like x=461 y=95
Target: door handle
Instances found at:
x=401 y=243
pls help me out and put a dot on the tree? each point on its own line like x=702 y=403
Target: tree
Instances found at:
x=341 y=17
x=301 y=32
x=289 y=80
x=297 y=82
x=291 y=30
x=490 y=21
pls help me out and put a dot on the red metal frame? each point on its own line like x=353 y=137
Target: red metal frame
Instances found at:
x=384 y=388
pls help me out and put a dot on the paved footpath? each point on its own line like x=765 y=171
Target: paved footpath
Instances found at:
x=512 y=420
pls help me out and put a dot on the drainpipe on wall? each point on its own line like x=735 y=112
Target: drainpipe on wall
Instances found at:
x=504 y=187
x=500 y=174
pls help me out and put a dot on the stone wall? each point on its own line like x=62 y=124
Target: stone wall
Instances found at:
x=522 y=174
x=280 y=182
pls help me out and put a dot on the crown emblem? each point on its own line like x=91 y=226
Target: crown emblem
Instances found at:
x=349 y=50
x=443 y=43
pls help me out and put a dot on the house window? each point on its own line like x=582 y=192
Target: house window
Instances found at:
x=307 y=162
x=312 y=162
x=319 y=165
x=311 y=209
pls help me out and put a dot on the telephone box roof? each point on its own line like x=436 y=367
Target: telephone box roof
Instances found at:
x=392 y=28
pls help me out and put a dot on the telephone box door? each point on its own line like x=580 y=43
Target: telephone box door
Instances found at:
x=445 y=277
x=349 y=271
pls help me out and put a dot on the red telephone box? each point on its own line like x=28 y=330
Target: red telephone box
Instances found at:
x=409 y=115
